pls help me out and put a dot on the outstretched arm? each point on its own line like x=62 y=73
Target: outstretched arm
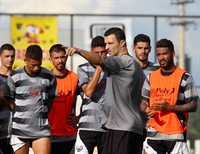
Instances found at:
x=93 y=58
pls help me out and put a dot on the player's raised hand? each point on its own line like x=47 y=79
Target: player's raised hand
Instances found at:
x=71 y=50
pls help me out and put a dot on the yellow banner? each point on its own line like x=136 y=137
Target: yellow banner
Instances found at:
x=30 y=30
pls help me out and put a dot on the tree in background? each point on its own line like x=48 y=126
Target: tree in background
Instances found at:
x=193 y=132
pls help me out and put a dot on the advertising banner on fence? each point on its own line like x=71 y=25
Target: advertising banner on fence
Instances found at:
x=28 y=30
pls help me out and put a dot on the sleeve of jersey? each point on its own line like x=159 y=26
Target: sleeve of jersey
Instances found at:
x=146 y=89
x=83 y=77
x=53 y=91
x=190 y=91
x=112 y=64
x=9 y=91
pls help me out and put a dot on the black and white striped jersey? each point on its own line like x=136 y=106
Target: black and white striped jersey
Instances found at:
x=31 y=94
x=92 y=108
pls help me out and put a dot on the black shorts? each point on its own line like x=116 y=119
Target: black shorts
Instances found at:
x=164 y=146
x=62 y=147
x=122 y=142
x=88 y=140
x=27 y=140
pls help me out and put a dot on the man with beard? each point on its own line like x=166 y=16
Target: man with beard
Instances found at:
x=142 y=48
x=168 y=93
x=62 y=116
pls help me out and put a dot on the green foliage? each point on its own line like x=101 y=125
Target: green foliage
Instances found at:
x=193 y=132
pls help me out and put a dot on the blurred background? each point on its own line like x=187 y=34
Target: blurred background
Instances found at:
x=76 y=22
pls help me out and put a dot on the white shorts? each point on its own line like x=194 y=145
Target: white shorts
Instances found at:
x=179 y=147
x=16 y=143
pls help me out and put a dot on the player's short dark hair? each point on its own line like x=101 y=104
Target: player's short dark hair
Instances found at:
x=34 y=52
x=165 y=43
x=119 y=33
x=56 y=48
x=98 y=41
x=141 y=38
x=6 y=47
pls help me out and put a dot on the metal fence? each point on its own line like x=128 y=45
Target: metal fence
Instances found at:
x=71 y=31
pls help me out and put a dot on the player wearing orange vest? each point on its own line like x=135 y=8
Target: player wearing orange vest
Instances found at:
x=168 y=93
x=62 y=115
